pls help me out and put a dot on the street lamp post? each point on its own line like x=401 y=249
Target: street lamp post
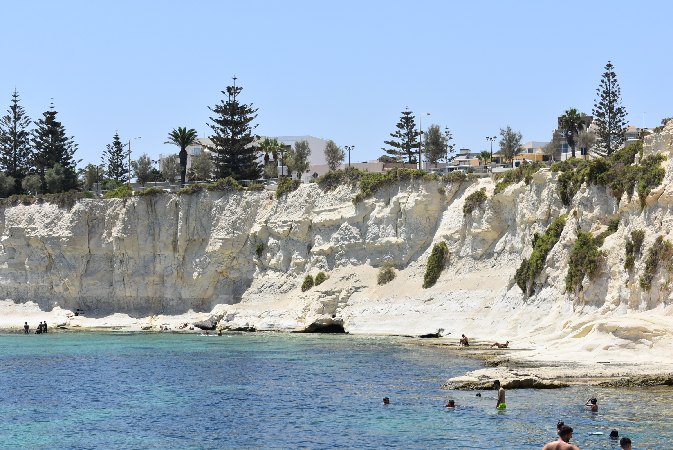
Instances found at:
x=420 y=142
x=282 y=164
x=491 y=139
x=349 y=148
x=129 y=144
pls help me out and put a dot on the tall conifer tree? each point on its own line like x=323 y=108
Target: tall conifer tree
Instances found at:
x=235 y=154
x=52 y=146
x=115 y=160
x=15 y=149
x=404 y=142
x=609 y=114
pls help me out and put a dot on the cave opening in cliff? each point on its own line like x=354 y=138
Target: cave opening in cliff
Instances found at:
x=331 y=328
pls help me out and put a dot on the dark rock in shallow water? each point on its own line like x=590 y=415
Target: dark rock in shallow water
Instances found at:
x=208 y=324
x=640 y=380
x=247 y=329
x=432 y=335
x=526 y=382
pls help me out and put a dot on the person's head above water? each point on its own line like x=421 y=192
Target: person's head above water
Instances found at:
x=614 y=434
x=625 y=443
x=386 y=401
x=593 y=401
x=565 y=433
x=451 y=404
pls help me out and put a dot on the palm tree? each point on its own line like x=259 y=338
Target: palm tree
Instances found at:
x=183 y=138
x=271 y=147
x=572 y=122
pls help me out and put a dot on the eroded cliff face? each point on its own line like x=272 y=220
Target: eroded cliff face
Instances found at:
x=171 y=254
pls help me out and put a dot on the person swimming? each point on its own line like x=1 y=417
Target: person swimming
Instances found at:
x=386 y=401
x=593 y=404
x=450 y=404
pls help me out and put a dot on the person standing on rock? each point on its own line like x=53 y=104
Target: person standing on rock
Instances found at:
x=44 y=327
x=563 y=441
x=26 y=327
x=501 y=395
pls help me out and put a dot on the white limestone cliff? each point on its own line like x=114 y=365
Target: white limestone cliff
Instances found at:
x=176 y=255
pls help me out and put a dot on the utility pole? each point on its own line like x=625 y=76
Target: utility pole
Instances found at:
x=491 y=139
x=420 y=142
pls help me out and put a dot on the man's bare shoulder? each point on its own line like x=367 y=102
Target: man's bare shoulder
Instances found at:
x=557 y=445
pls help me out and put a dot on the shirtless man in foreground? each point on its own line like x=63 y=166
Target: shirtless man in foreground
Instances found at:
x=565 y=434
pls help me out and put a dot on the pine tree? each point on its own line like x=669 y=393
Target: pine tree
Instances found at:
x=115 y=159
x=16 y=152
x=609 y=114
x=234 y=151
x=404 y=142
x=52 y=146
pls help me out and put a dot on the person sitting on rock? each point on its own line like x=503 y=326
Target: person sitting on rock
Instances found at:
x=464 y=341
x=500 y=345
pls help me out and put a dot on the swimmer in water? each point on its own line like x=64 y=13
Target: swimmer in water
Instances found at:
x=563 y=441
x=593 y=403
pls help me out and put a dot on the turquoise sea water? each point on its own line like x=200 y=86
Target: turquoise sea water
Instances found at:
x=164 y=391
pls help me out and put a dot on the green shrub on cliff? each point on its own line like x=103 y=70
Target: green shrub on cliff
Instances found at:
x=149 y=192
x=660 y=252
x=386 y=273
x=320 y=278
x=123 y=191
x=585 y=258
x=524 y=172
x=456 y=177
x=307 y=284
x=613 y=226
x=632 y=248
x=474 y=200
x=286 y=185
x=371 y=182
x=259 y=248
x=436 y=263
x=225 y=184
x=335 y=178
x=619 y=173
x=650 y=176
x=530 y=268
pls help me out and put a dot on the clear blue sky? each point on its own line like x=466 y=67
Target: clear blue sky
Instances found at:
x=340 y=70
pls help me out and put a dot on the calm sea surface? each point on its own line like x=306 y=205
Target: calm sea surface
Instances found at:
x=165 y=391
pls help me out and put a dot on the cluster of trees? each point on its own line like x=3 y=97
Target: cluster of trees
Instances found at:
x=35 y=157
x=405 y=142
x=607 y=134
x=39 y=156
x=609 y=120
